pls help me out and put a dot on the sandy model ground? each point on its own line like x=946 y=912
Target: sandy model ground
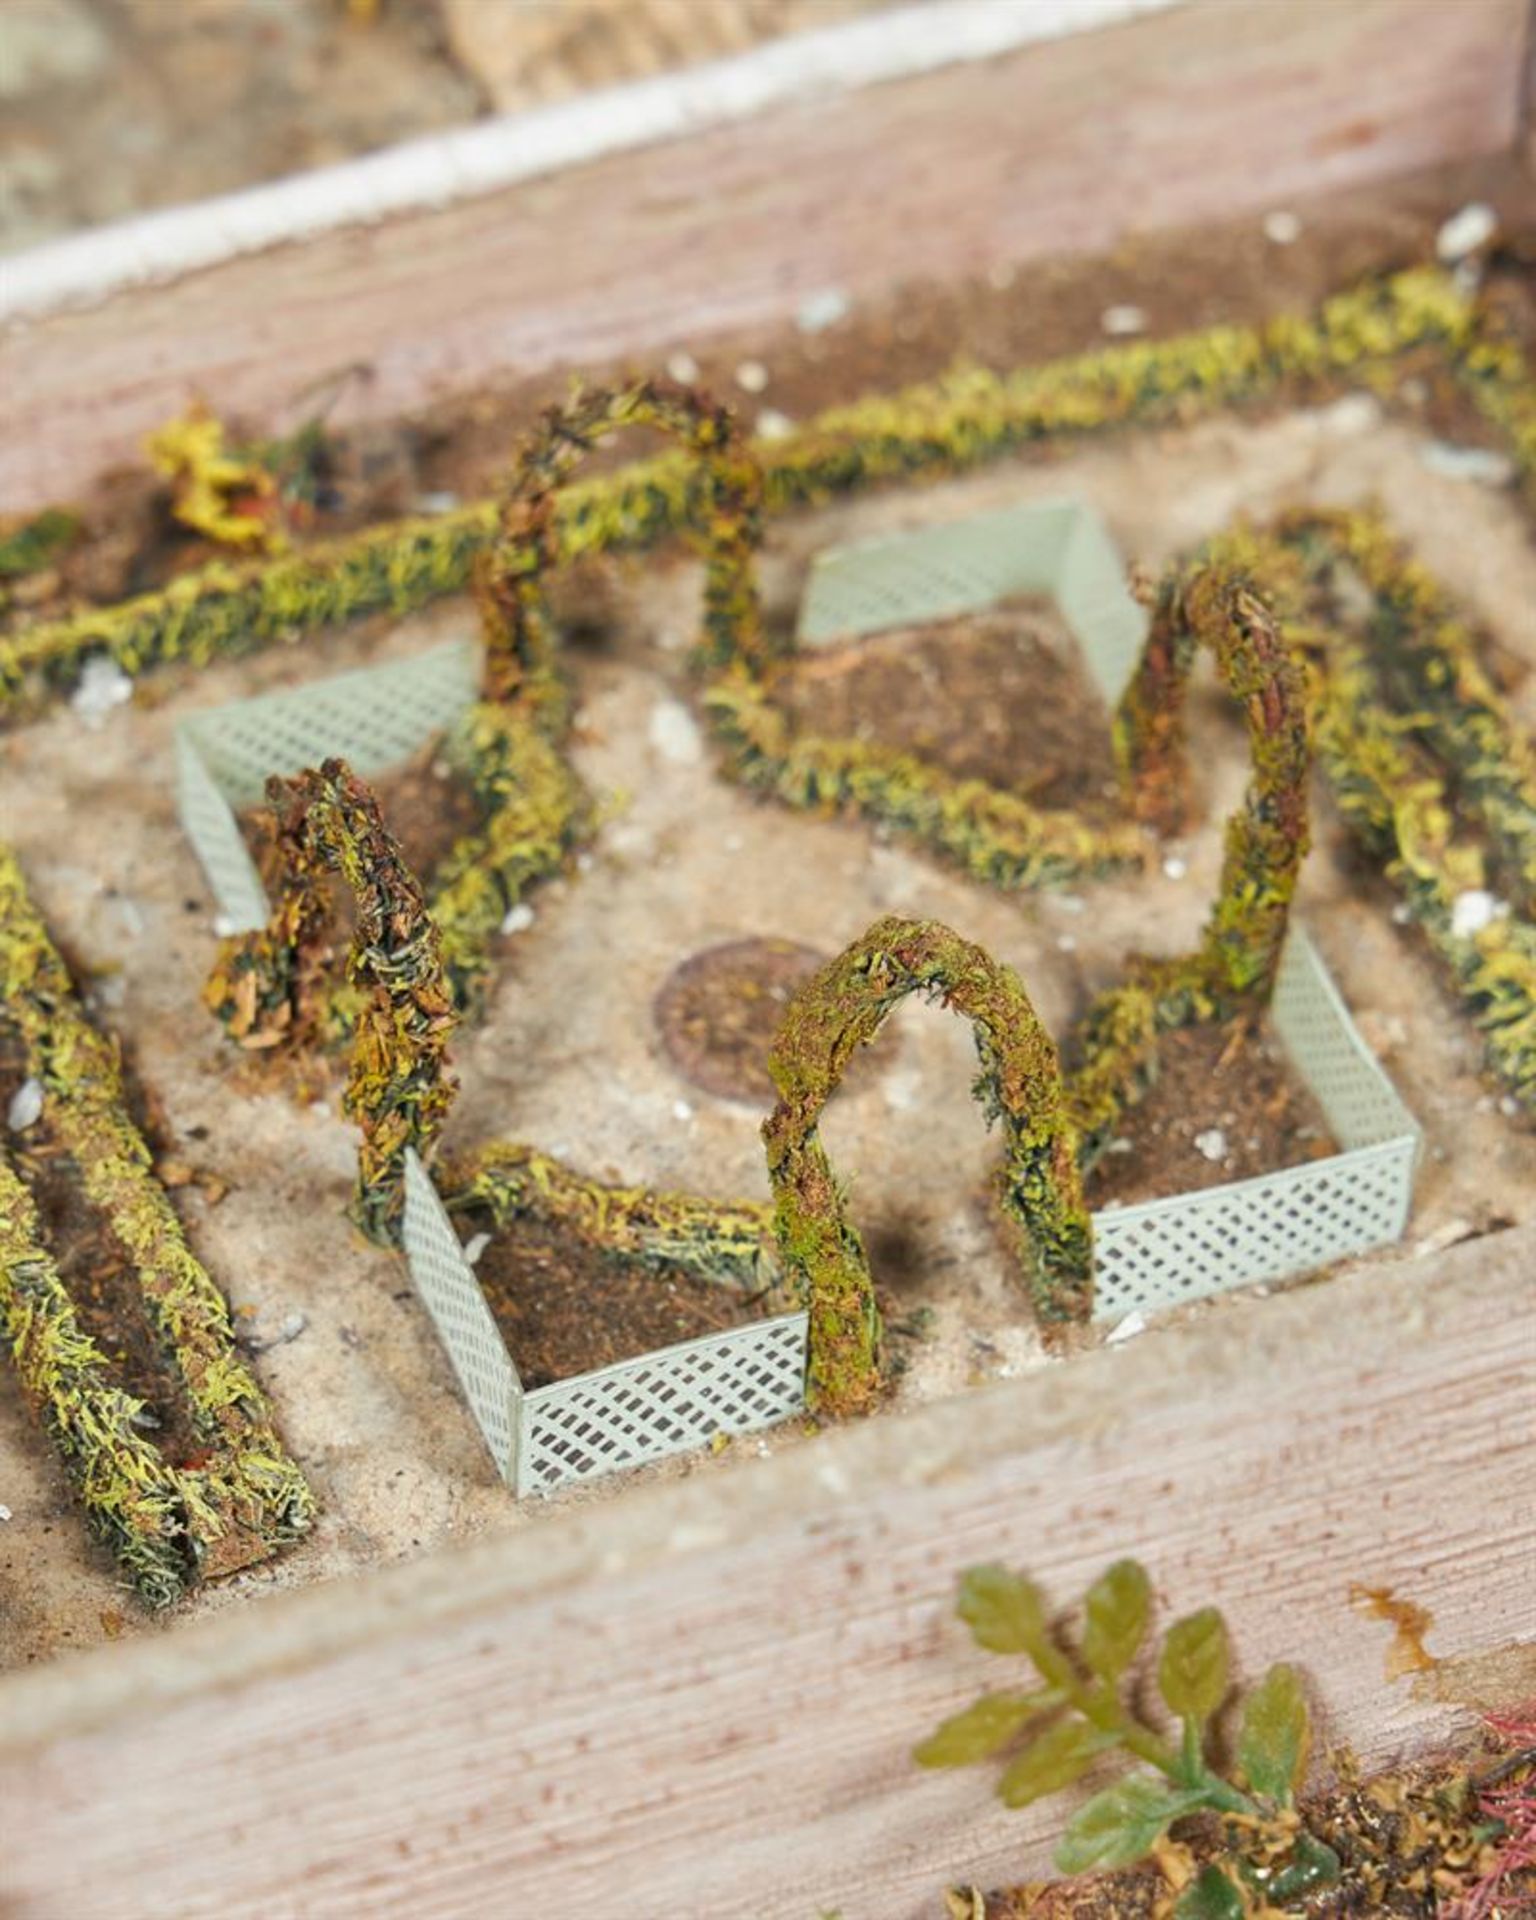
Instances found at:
x=569 y=1059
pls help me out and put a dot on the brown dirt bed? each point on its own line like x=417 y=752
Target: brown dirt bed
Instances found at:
x=564 y=1307
x=1235 y=1082
x=96 y=1270
x=1001 y=696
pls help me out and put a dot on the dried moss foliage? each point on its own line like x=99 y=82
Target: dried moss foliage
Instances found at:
x=1213 y=602
x=1018 y=1084
x=949 y=425
x=1429 y=770
x=268 y=986
x=719 y=1240
x=168 y=1526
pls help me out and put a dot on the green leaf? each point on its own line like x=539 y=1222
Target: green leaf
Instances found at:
x=1193 y=1672
x=1118 y=1607
x=1211 y=1897
x=985 y=1726
x=1122 y=1824
x=1272 y=1746
x=1313 y=1863
x=1004 y=1611
x=1062 y=1754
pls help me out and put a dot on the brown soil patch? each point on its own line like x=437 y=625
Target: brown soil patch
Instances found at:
x=1235 y=1083
x=97 y=1271
x=565 y=1307
x=719 y=1012
x=1002 y=696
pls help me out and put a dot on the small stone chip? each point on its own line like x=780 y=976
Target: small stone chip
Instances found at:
x=822 y=309
x=1472 y=911
x=1175 y=866
x=1212 y=1143
x=518 y=918
x=26 y=1107
x=1123 y=320
x=1465 y=232
x=683 y=368
x=752 y=376
x=476 y=1246
x=1282 y=227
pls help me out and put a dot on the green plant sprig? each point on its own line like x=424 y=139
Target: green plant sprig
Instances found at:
x=1050 y=1736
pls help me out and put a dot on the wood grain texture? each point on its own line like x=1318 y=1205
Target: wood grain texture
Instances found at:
x=1210 y=109
x=700 y=1702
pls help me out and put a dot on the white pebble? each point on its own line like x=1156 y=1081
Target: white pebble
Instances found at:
x=1282 y=227
x=1212 y=1143
x=1472 y=911
x=103 y=686
x=1067 y=942
x=1509 y=1106
x=822 y=309
x=681 y=1110
x=1175 y=866
x=293 y=1325
x=441 y=500
x=1402 y=914
x=1070 y=902
x=683 y=368
x=1479 y=464
x=674 y=734
x=226 y=926
x=1123 y=320
x=773 y=425
x=5 y=1512
x=518 y=918
x=473 y=1248
x=752 y=376
x=26 y=1107
x=1354 y=413
x=1473 y=227
x=1126 y=1329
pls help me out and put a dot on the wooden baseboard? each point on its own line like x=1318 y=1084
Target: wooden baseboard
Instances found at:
x=701 y=1700
x=1204 y=110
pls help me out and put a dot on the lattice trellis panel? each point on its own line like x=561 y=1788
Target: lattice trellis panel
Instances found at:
x=453 y=1298
x=1059 y=550
x=621 y=1416
x=663 y=1403
x=373 y=718
x=1187 y=1246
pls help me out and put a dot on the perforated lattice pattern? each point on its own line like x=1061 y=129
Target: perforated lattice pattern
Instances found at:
x=664 y=1403
x=1059 y=550
x=373 y=718
x=452 y=1296
x=1190 y=1245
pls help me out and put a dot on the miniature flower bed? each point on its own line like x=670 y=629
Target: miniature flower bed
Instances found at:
x=374 y=718
x=664 y=1402
x=1179 y=1246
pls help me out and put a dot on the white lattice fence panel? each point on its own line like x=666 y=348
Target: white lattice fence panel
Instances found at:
x=210 y=825
x=373 y=718
x=936 y=572
x=1362 y=1105
x=1193 y=1244
x=453 y=1297
x=663 y=1403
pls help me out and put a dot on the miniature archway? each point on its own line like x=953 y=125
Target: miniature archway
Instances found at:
x=1214 y=602
x=518 y=632
x=1020 y=1084
x=269 y=987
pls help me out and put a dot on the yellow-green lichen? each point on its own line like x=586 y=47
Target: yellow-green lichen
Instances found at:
x=246 y=1498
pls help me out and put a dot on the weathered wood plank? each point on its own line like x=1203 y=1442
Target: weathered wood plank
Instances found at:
x=1209 y=109
x=700 y=1701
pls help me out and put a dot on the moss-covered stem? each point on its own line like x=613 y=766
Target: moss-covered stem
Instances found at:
x=1019 y=1084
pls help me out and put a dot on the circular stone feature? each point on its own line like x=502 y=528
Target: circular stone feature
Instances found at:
x=720 y=1010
